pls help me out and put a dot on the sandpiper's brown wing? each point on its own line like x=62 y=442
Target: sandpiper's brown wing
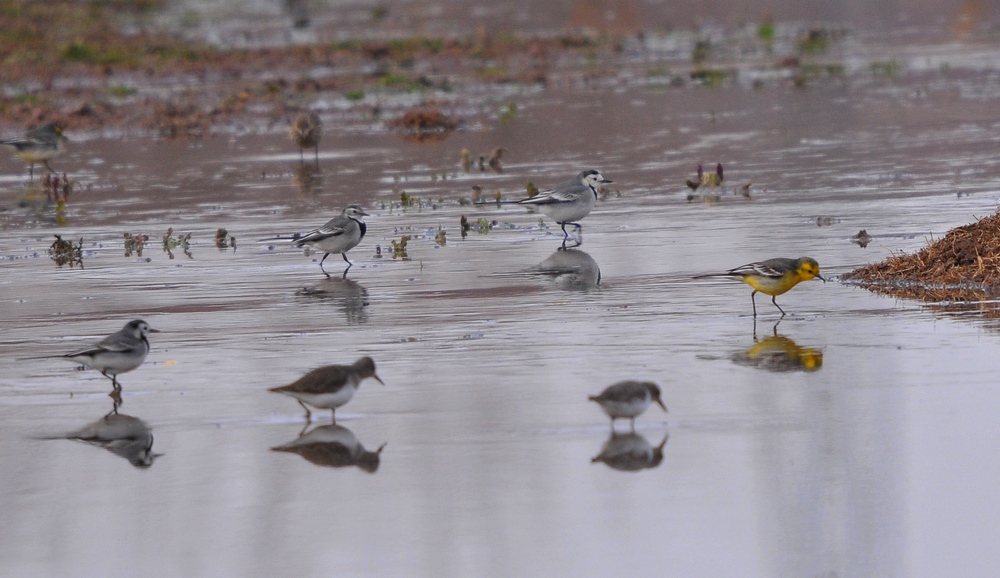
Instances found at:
x=624 y=391
x=330 y=454
x=321 y=380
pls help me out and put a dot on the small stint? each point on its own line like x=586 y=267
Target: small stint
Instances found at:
x=964 y=265
x=862 y=238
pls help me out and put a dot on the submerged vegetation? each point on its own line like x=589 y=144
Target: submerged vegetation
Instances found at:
x=66 y=252
x=122 y=58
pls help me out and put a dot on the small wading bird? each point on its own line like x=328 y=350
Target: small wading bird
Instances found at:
x=339 y=235
x=118 y=353
x=628 y=399
x=306 y=130
x=331 y=386
x=38 y=145
x=773 y=277
x=569 y=201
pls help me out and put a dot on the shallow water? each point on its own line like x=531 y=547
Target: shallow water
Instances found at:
x=874 y=462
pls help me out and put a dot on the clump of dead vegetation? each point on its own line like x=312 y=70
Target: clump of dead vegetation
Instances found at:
x=424 y=124
x=964 y=265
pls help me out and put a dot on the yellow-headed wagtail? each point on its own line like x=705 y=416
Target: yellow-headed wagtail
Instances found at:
x=38 y=145
x=773 y=277
x=306 y=131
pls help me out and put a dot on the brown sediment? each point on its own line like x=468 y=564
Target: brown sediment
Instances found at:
x=964 y=265
x=425 y=124
x=43 y=42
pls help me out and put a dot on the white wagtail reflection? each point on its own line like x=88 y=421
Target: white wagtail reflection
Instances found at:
x=630 y=452
x=350 y=296
x=333 y=446
x=123 y=435
x=571 y=270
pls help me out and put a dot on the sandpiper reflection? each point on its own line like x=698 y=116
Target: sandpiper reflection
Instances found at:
x=123 y=435
x=332 y=446
x=350 y=296
x=779 y=353
x=630 y=452
x=571 y=270
x=308 y=178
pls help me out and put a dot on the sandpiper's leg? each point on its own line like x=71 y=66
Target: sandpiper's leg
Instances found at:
x=308 y=413
x=632 y=424
x=333 y=414
x=773 y=297
x=302 y=157
x=316 y=152
x=31 y=171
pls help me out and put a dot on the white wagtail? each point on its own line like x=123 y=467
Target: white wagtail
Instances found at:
x=119 y=352
x=339 y=235
x=331 y=386
x=628 y=399
x=332 y=446
x=306 y=131
x=38 y=145
x=570 y=201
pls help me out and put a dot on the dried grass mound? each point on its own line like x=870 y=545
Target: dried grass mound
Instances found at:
x=964 y=265
x=425 y=124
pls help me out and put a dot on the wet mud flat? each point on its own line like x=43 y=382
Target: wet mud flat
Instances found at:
x=848 y=438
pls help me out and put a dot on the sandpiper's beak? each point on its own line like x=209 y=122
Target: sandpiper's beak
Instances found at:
x=378 y=379
x=820 y=277
x=660 y=401
x=151 y=330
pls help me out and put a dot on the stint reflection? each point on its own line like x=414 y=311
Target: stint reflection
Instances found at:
x=308 y=178
x=779 y=353
x=350 y=296
x=332 y=446
x=123 y=435
x=630 y=452
x=570 y=270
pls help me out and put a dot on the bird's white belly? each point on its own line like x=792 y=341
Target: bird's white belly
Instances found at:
x=626 y=408
x=326 y=400
x=569 y=212
x=112 y=362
